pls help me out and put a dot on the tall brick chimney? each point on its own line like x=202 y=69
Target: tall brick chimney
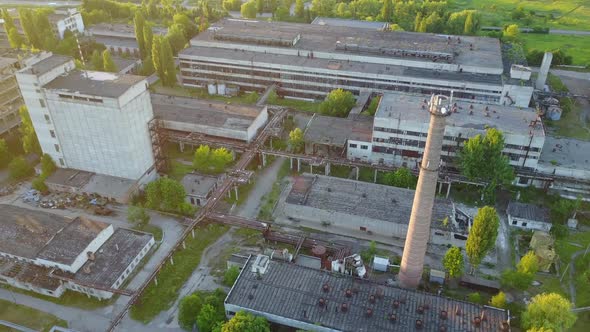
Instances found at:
x=419 y=228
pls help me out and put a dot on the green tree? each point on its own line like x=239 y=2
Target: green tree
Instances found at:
x=498 y=300
x=168 y=64
x=516 y=279
x=474 y=297
x=19 y=168
x=481 y=159
x=147 y=66
x=41 y=26
x=108 y=63
x=4 y=153
x=139 y=26
x=38 y=184
x=188 y=311
x=260 y=6
x=47 y=165
x=96 y=61
x=157 y=57
x=27 y=22
x=402 y=178
x=511 y=32
x=148 y=38
x=550 y=311
x=8 y=20
x=165 y=194
x=208 y=318
x=338 y=103
x=432 y=23
x=15 y=39
x=281 y=13
x=220 y=158
x=248 y=9
x=201 y=158
x=138 y=215
x=469 y=27
x=27 y=131
x=252 y=97
x=246 y=322
x=230 y=276
x=528 y=264
x=386 y=10
x=482 y=235
x=453 y=262
x=188 y=27
x=299 y=8
x=296 y=139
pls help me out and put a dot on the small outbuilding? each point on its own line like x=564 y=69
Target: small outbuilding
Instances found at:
x=198 y=188
x=528 y=216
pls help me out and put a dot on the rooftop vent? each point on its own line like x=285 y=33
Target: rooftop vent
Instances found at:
x=321 y=302
x=364 y=195
x=344 y=307
x=326 y=288
x=419 y=324
x=372 y=298
x=392 y=318
x=369 y=312
x=250 y=297
x=477 y=321
x=91 y=256
x=420 y=309
x=396 y=304
x=348 y=293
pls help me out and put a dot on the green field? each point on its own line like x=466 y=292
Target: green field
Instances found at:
x=556 y=14
x=576 y=46
x=29 y=317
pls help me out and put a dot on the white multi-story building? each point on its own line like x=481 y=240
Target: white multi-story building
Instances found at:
x=61 y=21
x=401 y=124
x=309 y=60
x=90 y=121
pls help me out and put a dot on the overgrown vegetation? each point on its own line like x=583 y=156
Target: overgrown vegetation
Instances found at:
x=211 y=161
x=202 y=309
x=29 y=317
x=167 y=195
x=157 y=298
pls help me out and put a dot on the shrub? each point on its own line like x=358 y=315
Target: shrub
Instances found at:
x=39 y=184
x=474 y=297
x=230 y=276
x=19 y=168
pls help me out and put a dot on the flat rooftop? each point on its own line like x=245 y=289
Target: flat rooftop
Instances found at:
x=566 y=152
x=116 y=41
x=113 y=257
x=68 y=177
x=205 y=112
x=293 y=292
x=108 y=29
x=94 y=83
x=528 y=211
x=28 y=273
x=361 y=199
x=509 y=119
x=197 y=184
x=46 y=64
x=463 y=50
x=340 y=22
x=330 y=130
x=35 y=234
x=235 y=54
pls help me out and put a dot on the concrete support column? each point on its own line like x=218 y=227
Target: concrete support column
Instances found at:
x=375 y=177
x=156 y=280
x=181 y=146
x=327 y=169
x=298 y=165
x=311 y=168
x=448 y=189
x=291 y=163
x=263 y=160
x=357 y=172
x=271 y=143
x=236 y=191
x=193 y=232
x=183 y=245
x=440 y=187
x=171 y=260
x=418 y=234
x=544 y=71
x=228 y=194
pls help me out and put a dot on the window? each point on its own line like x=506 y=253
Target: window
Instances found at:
x=56 y=147
x=362 y=228
x=61 y=162
x=47 y=119
x=364 y=147
x=52 y=133
x=514 y=222
x=352 y=145
x=42 y=102
x=524 y=224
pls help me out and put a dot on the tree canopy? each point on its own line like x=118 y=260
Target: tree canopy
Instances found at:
x=108 y=63
x=482 y=235
x=528 y=264
x=139 y=26
x=498 y=300
x=138 y=215
x=214 y=161
x=338 y=103
x=245 y=322
x=4 y=154
x=27 y=131
x=19 y=168
x=549 y=311
x=296 y=139
x=481 y=159
x=453 y=262
x=248 y=9
x=165 y=194
x=402 y=178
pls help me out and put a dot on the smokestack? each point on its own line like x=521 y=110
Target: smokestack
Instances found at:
x=544 y=71
x=419 y=228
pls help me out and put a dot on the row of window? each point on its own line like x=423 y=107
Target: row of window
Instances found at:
x=354 y=146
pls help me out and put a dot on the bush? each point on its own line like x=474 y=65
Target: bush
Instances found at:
x=19 y=168
x=475 y=297
x=559 y=231
x=39 y=184
x=230 y=276
x=515 y=279
x=47 y=166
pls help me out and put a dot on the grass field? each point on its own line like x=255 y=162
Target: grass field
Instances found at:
x=28 y=317
x=556 y=14
x=157 y=298
x=576 y=46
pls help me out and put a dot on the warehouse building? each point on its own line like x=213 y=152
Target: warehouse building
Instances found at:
x=314 y=300
x=10 y=97
x=211 y=118
x=401 y=125
x=91 y=121
x=310 y=60
x=119 y=38
x=345 y=206
x=528 y=216
x=48 y=254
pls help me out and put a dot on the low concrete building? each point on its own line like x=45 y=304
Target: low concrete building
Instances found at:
x=119 y=38
x=329 y=136
x=198 y=188
x=315 y=300
x=48 y=254
x=528 y=216
x=353 y=207
x=210 y=118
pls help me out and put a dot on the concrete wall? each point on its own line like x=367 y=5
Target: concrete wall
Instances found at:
x=258 y=123
x=43 y=122
x=110 y=138
x=355 y=150
x=30 y=287
x=528 y=224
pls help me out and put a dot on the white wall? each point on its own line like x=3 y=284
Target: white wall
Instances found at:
x=530 y=224
x=258 y=123
x=354 y=153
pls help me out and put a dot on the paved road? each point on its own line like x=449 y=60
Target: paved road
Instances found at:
x=42 y=3
x=569 y=32
x=264 y=182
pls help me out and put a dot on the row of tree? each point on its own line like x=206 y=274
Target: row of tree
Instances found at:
x=211 y=161
x=36 y=28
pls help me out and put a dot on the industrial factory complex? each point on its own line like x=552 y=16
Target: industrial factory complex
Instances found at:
x=419 y=98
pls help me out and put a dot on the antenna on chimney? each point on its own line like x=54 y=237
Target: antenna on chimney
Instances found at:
x=81 y=56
